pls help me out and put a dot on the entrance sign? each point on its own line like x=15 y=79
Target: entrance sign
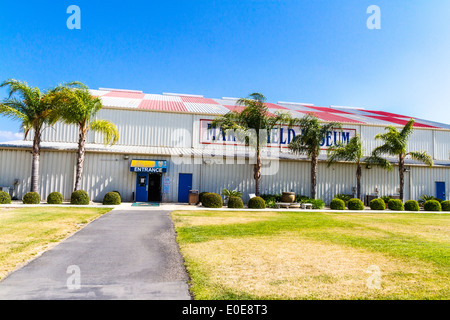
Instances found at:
x=148 y=166
x=278 y=137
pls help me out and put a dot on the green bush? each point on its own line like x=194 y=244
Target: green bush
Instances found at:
x=212 y=200
x=235 y=203
x=337 y=204
x=55 y=198
x=5 y=198
x=272 y=198
x=32 y=198
x=412 y=205
x=386 y=199
x=79 y=197
x=355 y=204
x=317 y=204
x=257 y=203
x=445 y=205
x=200 y=196
x=301 y=199
x=432 y=205
x=396 y=205
x=112 y=199
x=343 y=197
x=378 y=204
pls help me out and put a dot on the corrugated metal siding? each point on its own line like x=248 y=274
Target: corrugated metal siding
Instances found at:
x=442 y=145
x=55 y=172
x=15 y=165
x=148 y=128
x=110 y=172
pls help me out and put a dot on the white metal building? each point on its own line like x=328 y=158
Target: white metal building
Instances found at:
x=167 y=147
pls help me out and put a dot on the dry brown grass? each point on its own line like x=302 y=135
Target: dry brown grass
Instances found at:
x=290 y=256
x=289 y=267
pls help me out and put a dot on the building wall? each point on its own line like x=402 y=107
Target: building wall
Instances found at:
x=105 y=172
x=162 y=129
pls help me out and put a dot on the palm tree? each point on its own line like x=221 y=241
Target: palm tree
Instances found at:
x=35 y=111
x=310 y=141
x=253 y=121
x=77 y=106
x=395 y=144
x=351 y=152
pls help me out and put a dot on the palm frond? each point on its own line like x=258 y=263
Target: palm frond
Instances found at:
x=107 y=129
x=379 y=161
x=421 y=156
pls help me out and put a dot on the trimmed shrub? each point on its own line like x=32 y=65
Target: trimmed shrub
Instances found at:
x=396 y=205
x=32 y=198
x=200 y=196
x=432 y=205
x=355 y=204
x=386 y=199
x=5 y=198
x=412 y=205
x=212 y=200
x=55 y=198
x=112 y=199
x=235 y=203
x=79 y=197
x=257 y=203
x=378 y=204
x=343 y=197
x=337 y=204
x=445 y=205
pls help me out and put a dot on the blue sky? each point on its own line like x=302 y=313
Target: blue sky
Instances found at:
x=312 y=51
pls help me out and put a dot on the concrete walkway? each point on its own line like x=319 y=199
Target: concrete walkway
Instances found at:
x=128 y=254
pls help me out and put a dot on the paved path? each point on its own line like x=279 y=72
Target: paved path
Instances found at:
x=127 y=254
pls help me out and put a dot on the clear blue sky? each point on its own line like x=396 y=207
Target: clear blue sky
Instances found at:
x=316 y=51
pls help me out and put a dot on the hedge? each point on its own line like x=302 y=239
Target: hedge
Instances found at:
x=5 y=198
x=55 y=198
x=355 y=204
x=79 y=197
x=432 y=205
x=257 y=203
x=378 y=204
x=212 y=200
x=235 y=203
x=112 y=199
x=32 y=198
x=200 y=196
x=396 y=205
x=412 y=205
x=445 y=205
x=337 y=204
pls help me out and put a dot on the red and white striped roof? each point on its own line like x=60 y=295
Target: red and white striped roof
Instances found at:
x=181 y=103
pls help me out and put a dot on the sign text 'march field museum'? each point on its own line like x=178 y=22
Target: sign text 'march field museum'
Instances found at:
x=279 y=136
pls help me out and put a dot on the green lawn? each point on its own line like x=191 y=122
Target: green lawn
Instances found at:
x=287 y=255
x=24 y=233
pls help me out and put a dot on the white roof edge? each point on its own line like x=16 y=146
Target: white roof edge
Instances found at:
x=182 y=95
x=120 y=90
x=295 y=103
x=228 y=98
x=345 y=107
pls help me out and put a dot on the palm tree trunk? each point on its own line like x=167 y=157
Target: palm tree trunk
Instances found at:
x=36 y=151
x=314 y=163
x=257 y=172
x=358 y=180
x=80 y=157
x=401 y=168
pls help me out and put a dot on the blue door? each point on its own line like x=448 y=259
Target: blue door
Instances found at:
x=440 y=191
x=141 y=187
x=184 y=186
